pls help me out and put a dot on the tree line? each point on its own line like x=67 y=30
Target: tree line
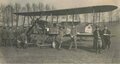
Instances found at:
x=7 y=18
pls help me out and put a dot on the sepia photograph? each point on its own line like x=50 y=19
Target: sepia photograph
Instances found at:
x=59 y=31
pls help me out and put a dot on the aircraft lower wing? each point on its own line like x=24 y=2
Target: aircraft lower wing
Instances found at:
x=81 y=35
x=85 y=35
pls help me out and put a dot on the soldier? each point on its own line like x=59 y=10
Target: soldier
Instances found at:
x=4 y=36
x=0 y=36
x=7 y=39
x=54 y=32
x=106 y=37
x=73 y=37
x=22 y=41
x=97 y=44
x=11 y=36
x=60 y=36
x=16 y=35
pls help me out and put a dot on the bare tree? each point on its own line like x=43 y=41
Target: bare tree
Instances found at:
x=17 y=8
x=35 y=8
x=9 y=15
x=24 y=9
x=2 y=7
x=28 y=7
x=28 y=10
x=53 y=7
x=47 y=7
x=12 y=10
x=41 y=6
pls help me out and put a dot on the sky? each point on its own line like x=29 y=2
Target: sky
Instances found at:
x=61 y=4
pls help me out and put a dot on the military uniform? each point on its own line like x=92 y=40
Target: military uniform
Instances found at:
x=53 y=33
x=22 y=40
x=4 y=37
x=106 y=38
x=11 y=37
x=16 y=35
x=0 y=36
x=60 y=36
x=73 y=37
x=97 y=43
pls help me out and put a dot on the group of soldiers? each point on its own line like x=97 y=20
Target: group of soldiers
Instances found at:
x=15 y=37
x=58 y=34
x=9 y=36
x=101 y=39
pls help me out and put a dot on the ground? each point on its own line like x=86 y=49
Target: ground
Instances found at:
x=84 y=53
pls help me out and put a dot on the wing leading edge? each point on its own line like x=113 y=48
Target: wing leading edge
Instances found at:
x=83 y=10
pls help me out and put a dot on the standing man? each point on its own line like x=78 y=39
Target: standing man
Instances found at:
x=97 y=44
x=4 y=36
x=22 y=40
x=16 y=35
x=53 y=34
x=7 y=38
x=106 y=37
x=60 y=37
x=73 y=37
x=11 y=37
x=0 y=36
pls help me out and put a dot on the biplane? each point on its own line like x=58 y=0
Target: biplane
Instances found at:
x=56 y=14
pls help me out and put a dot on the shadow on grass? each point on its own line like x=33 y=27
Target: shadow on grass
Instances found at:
x=89 y=49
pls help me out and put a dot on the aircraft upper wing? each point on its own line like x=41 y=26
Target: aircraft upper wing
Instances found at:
x=83 y=10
